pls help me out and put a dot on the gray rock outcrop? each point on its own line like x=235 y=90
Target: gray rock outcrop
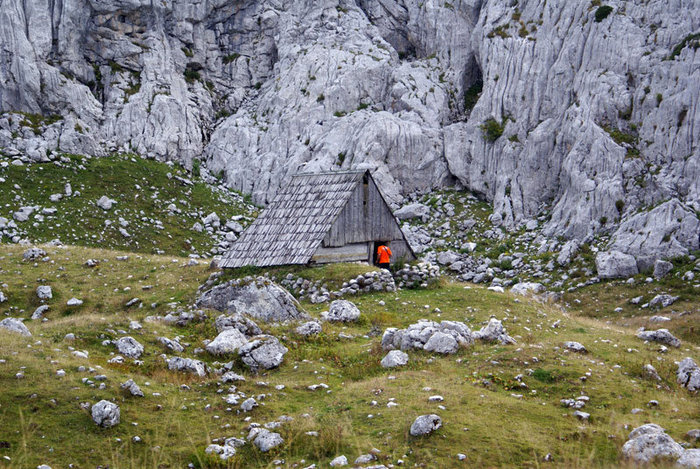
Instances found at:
x=394 y=359
x=132 y=388
x=262 y=352
x=688 y=374
x=425 y=425
x=593 y=119
x=259 y=298
x=227 y=342
x=15 y=325
x=105 y=414
x=450 y=335
x=494 y=331
x=342 y=311
x=308 y=329
x=662 y=336
x=129 y=347
x=649 y=443
x=238 y=321
x=264 y=439
x=615 y=264
x=187 y=365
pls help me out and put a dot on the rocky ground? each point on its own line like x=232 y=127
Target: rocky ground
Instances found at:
x=174 y=364
x=129 y=365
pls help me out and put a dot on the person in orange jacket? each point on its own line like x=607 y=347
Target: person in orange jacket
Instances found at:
x=383 y=255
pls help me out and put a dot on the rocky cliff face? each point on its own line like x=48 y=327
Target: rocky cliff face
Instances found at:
x=583 y=112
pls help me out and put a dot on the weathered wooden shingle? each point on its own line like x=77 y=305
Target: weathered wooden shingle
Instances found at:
x=293 y=226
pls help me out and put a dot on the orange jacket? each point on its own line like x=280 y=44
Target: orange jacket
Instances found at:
x=384 y=254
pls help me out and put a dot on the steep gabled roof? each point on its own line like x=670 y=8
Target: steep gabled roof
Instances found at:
x=293 y=226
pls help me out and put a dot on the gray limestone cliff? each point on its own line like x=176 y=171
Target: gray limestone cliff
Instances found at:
x=584 y=111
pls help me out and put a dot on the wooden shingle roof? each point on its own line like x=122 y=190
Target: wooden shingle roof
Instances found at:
x=293 y=226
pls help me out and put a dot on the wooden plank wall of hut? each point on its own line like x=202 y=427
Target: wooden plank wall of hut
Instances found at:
x=359 y=222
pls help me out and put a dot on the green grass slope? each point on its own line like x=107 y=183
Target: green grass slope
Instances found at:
x=488 y=414
x=143 y=189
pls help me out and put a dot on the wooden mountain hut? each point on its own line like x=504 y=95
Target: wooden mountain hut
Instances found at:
x=319 y=218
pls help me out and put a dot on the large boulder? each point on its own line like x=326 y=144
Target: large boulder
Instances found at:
x=264 y=352
x=494 y=332
x=415 y=210
x=690 y=458
x=105 y=414
x=650 y=443
x=525 y=288
x=129 y=347
x=259 y=298
x=33 y=254
x=394 y=358
x=615 y=264
x=419 y=335
x=342 y=311
x=308 y=329
x=689 y=374
x=43 y=292
x=15 y=325
x=667 y=231
x=425 y=425
x=264 y=439
x=187 y=365
x=228 y=341
x=662 y=268
x=662 y=336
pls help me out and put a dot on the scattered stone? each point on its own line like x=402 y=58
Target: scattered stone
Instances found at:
x=238 y=321
x=308 y=329
x=662 y=268
x=395 y=358
x=132 y=387
x=39 y=312
x=263 y=351
x=264 y=439
x=33 y=254
x=105 y=414
x=525 y=288
x=575 y=347
x=249 y=404
x=494 y=332
x=339 y=461
x=187 y=365
x=662 y=301
x=129 y=347
x=15 y=325
x=228 y=341
x=105 y=203
x=693 y=435
x=342 y=311
x=650 y=372
x=74 y=302
x=662 y=336
x=442 y=343
x=688 y=374
x=581 y=415
x=43 y=292
x=425 y=425
x=415 y=210
x=171 y=345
